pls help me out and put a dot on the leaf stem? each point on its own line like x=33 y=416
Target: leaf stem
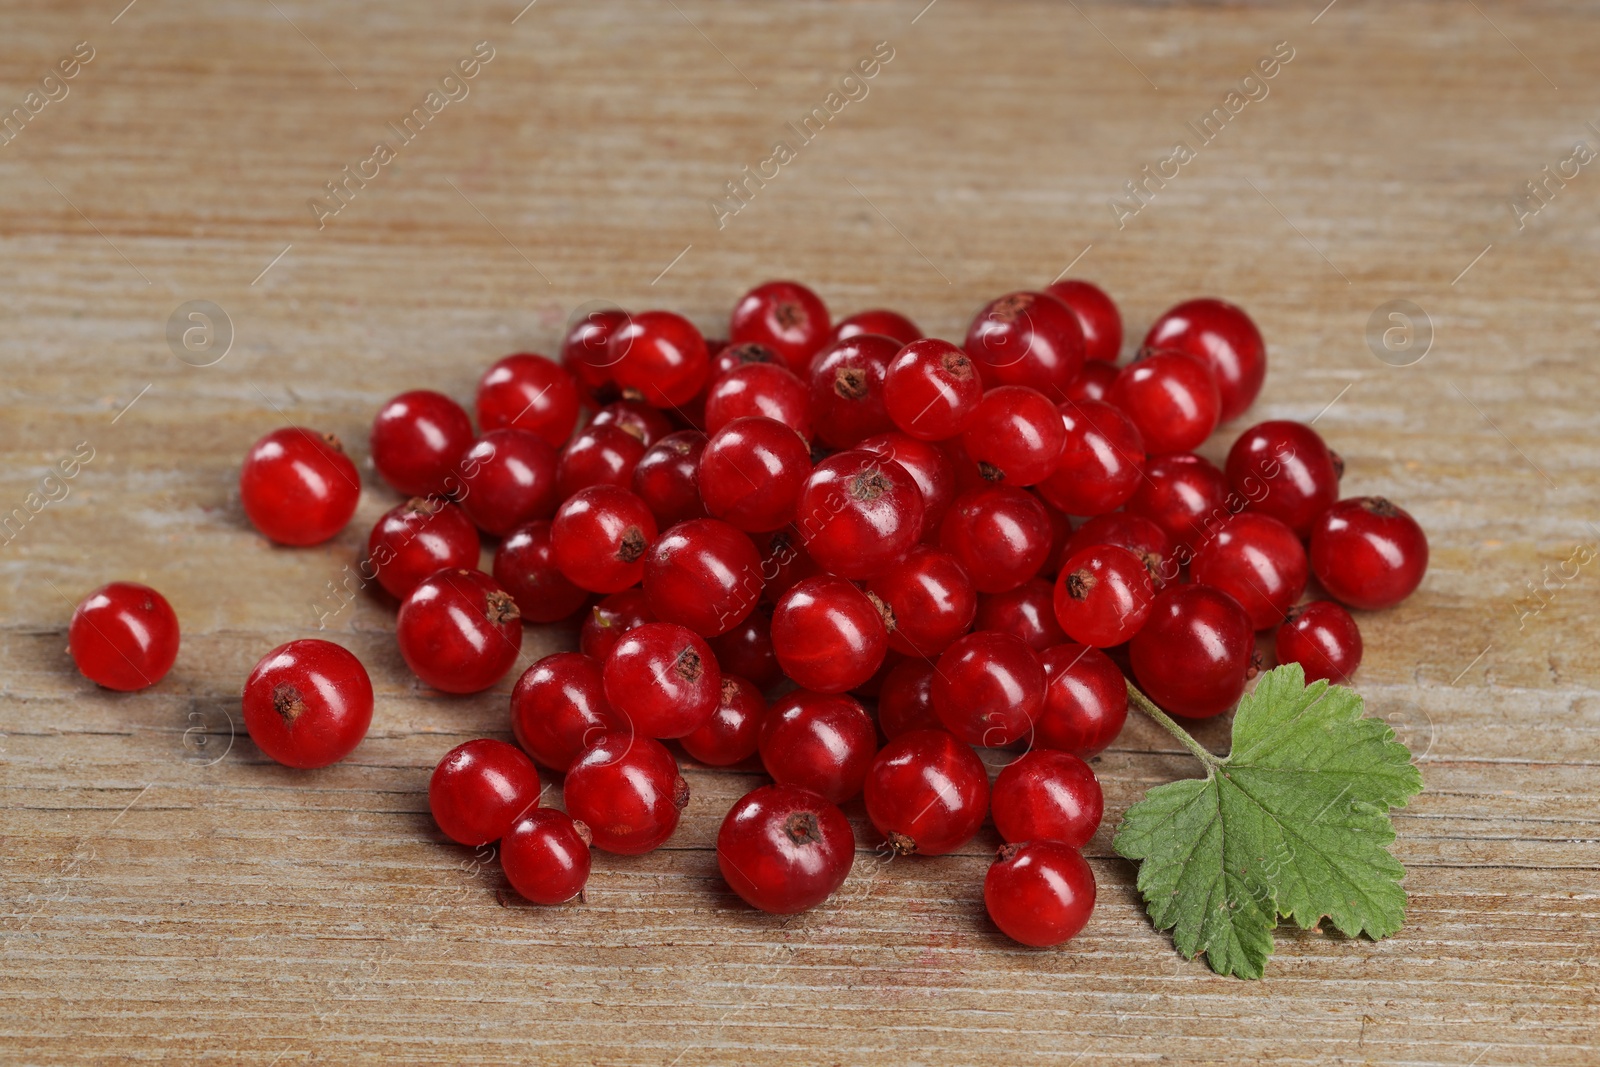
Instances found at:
x=1146 y=705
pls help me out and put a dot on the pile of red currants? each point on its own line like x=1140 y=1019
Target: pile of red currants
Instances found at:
x=755 y=536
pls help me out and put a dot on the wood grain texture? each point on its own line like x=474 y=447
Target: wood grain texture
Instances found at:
x=171 y=895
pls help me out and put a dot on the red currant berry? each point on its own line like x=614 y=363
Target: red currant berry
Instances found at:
x=787 y=317
x=559 y=709
x=1015 y=436
x=1186 y=496
x=878 y=321
x=988 y=689
x=703 y=574
x=1102 y=460
x=1284 y=469
x=508 y=478
x=927 y=793
x=732 y=357
x=752 y=473
x=545 y=856
x=1085 y=704
x=601 y=537
x=417 y=538
x=929 y=466
x=1039 y=893
x=929 y=598
x=931 y=389
x=828 y=635
x=1171 y=399
x=308 y=703
x=730 y=736
x=1093 y=382
x=661 y=357
x=1049 y=796
x=528 y=392
x=1223 y=336
x=599 y=455
x=784 y=849
x=628 y=791
x=760 y=390
x=1103 y=595
x=818 y=741
x=1323 y=638
x=905 y=702
x=298 y=487
x=416 y=440
x=859 y=513
x=459 y=631
x=1368 y=553
x=479 y=788
x=640 y=421
x=1259 y=562
x=1027 y=612
x=123 y=636
x=667 y=478
x=1193 y=656
x=846 y=383
x=585 y=353
x=663 y=679
x=1097 y=316
x=614 y=616
x=1000 y=536
x=746 y=651
x=525 y=567
x=1027 y=339
x=1133 y=532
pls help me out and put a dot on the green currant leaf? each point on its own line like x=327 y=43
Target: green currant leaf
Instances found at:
x=1294 y=822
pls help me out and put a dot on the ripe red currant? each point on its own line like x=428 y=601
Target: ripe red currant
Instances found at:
x=608 y=620
x=1040 y=893
x=667 y=478
x=764 y=390
x=585 y=353
x=1097 y=316
x=123 y=636
x=1103 y=595
x=545 y=856
x=1193 y=656
x=599 y=455
x=752 y=473
x=846 y=384
x=1135 y=533
x=660 y=356
x=988 y=688
x=1093 y=382
x=413 y=540
x=528 y=392
x=628 y=791
x=1000 y=536
x=459 y=631
x=905 y=702
x=1284 y=469
x=1368 y=553
x=785 y=316
x=1015 y=435
x=1050 y=796
x=931 y=389
x=1323 y=638
x=480 y=788
x=417 y=438
x=929 y=598
x=879 y=321
x=746 y=651
x=858 y=513
x=819 y=741
x=308 y=703
x=730 y=736
x=828 y=635
x=1225 y=337
x=703 y=574
x=784 y=849
x=1102 y=460
x=1085 y=702
x=929 y=466
x=559 y=709
x=1187 y=497
x=927 y=793
x=507 y=478
x=641 y=421
x=1171 y=399
x=1259 y=562
x=1029 y=339
x=298 y=487
x=601 y=537
x=525 y=567
x=732 y=357
x=663 y=679
x=1027 y=612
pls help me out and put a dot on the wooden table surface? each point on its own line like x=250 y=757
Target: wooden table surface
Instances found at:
x=172 y=895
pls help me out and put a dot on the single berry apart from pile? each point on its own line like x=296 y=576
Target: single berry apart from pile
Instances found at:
x=663 y=679
x=1171 y=399
x=417 y=438
x=927 y=793
x=784 y=316
x=525 y=567
x=559 y=709
x=528 y=392
x=784 y=849
x=931 y=389
x=308 y=703
x=859 y=513
x=1097 y=316
x=753 y=472
x=1193 y=655
x=1040 y=893
x=828 y=635
x=123 y=636
x=703 y=574
x=1323 y=638
x=1085 y=701
x=1103 y=595
x=1052 y=796
x=413 y=540
x=298 y=487
x=819 y=741
x=459 y=631
x=628 y=791
x=1015 y=435
x=1259 y=562
x=989 y=688
x=1284 y=469
x=731 y=734
x=1368 y=553
x=507 y=478
x=479 y=788
x=1029 y=339
x=929 y=598
x=601 y=537
x=1102 y=460
x=545 y=856
x=1226 y=339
